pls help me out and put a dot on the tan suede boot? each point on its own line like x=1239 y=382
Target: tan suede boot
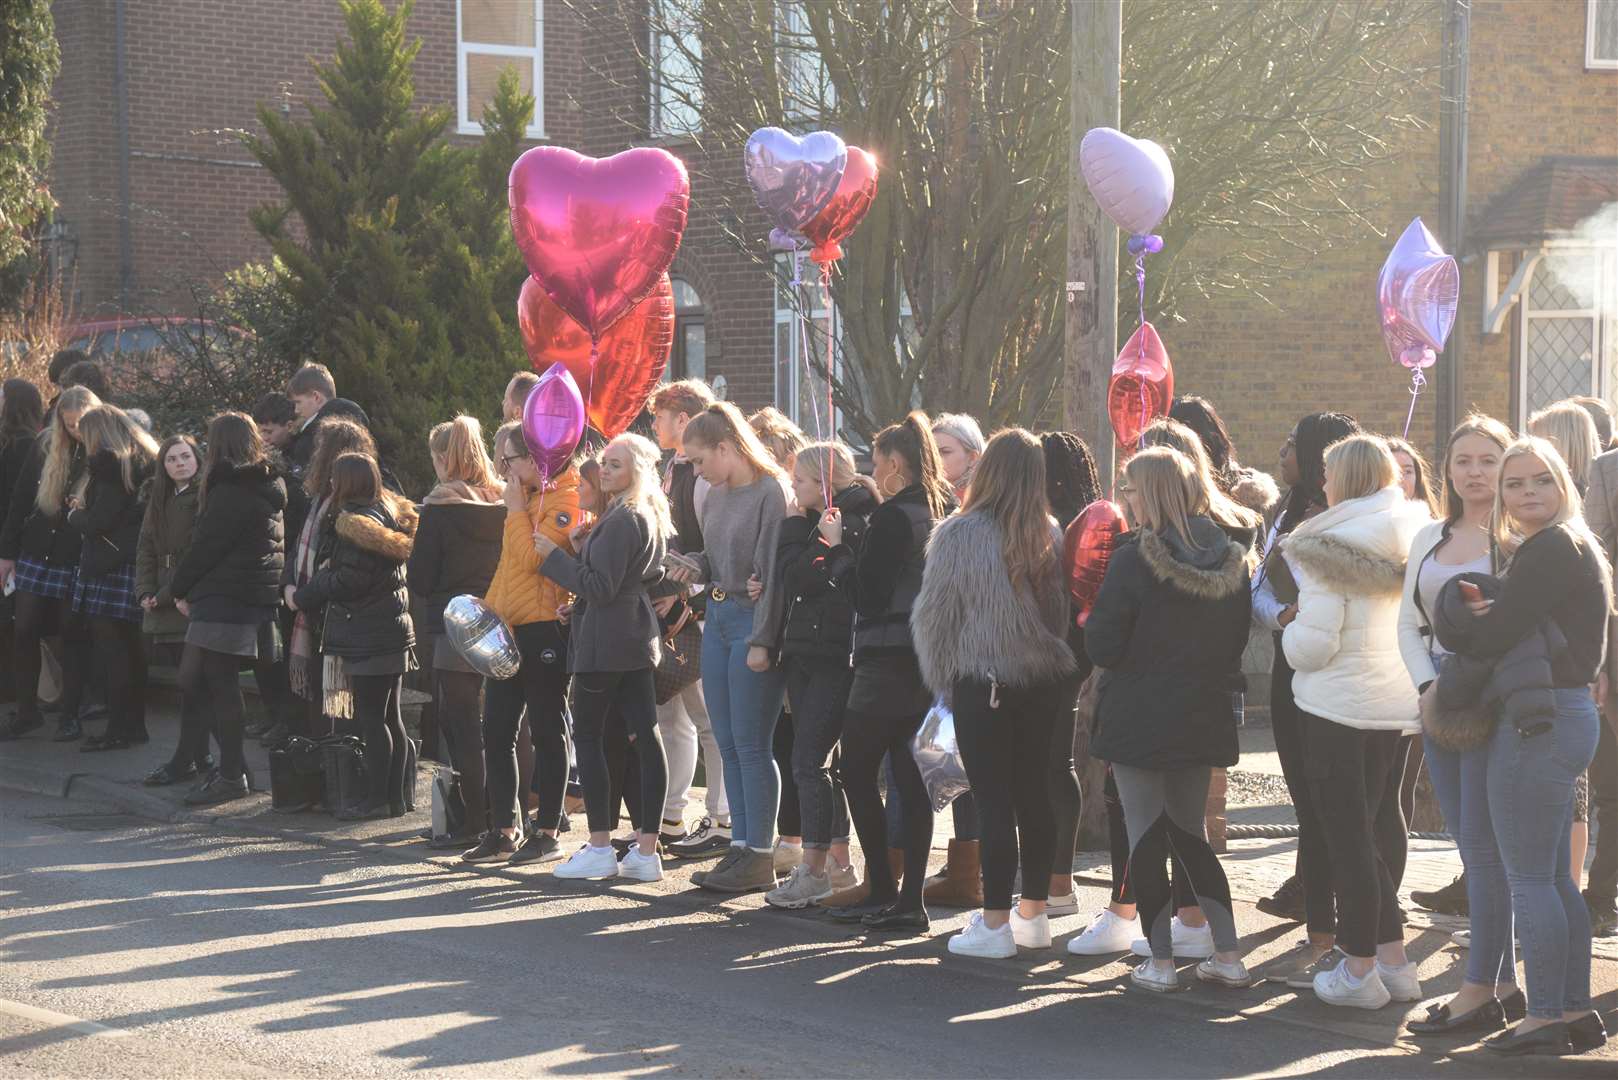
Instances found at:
x=960 y=884
x=859 y=894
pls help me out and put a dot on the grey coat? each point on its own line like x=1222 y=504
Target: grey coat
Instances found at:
x=613 y=627
x=1520 y=684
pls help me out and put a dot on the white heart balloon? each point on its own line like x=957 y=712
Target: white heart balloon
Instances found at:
x=1130 y=179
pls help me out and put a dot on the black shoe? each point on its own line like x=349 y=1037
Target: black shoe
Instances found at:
x=68 y=731
x=538 y=848
x=366 y=811
x=1587 y=1033
x=217 y=789
x=1450 y=900
x=169 y=773
x=452 y=841
x=1550 y=1040
x=1287 y=903
x=1516 y=1006
x=20 y=725
x=1603 y=917
x=105 y=742
x=1486 y=1018
x=495 y=846
x=891 y=918
x=858 y=912
x=274 y=736
x=93 y=712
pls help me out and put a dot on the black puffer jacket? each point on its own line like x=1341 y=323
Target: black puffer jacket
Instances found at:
x=14 y=455
x=820 y=609
x=30 y=533
x=109 y=521
x=232 y=570
x=456 y=550
x=361 y=581
x=1521 y=683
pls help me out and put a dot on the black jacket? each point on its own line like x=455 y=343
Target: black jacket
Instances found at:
x=456 y=550
x=14 y=457
x=232 y=570
x=360 y=581
x=30 y=533
x=820 y=609
x=1521 y=683
x=887 y=573
x=109 y=521
x=1169 y=627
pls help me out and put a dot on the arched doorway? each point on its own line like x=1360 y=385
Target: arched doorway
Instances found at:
x=689 y=357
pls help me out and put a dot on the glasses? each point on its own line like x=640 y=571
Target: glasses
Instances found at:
x=507 y=459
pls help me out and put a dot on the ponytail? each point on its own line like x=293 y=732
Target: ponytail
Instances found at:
x=912 y=441
x=722 y=423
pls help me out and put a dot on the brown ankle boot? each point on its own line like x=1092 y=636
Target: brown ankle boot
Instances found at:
x=859 y=894
x=961 y=882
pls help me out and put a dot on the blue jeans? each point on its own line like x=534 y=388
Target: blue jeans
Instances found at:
x=1461 y=782
x=744 y=706
x=1531 y=803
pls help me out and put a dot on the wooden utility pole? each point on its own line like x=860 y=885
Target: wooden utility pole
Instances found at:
x=1091 y=331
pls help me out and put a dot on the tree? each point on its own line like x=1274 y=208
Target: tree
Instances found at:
x=402 y=257
x=28 y=63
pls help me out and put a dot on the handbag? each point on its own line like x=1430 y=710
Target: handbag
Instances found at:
x=342 y=765
x=681 y=663
x=449 y=809
x=297 y=778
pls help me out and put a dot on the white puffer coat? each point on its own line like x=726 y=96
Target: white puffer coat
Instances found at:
x=1349 y=562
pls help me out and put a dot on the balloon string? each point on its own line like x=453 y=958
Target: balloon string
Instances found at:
x=1140 y=346
x=831 y=362
x=1417 y=381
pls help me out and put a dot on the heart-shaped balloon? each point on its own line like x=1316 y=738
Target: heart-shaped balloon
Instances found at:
x=793 y=179
x=598 y=234
x=624 y=368
x=553 y=420
x=855 y=192
x=1130 y=179
x=1142 y=385
x=1417 y=292
x=1086 y=549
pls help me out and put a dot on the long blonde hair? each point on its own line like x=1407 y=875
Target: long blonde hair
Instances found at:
x=1168 y=490
x=460 y=443
x=645 y=491
x=1221 y=507
x=61 y=448
x=832 y=460
x=107 y=427
x=1358 y=466
x=780 y=436
x=1009 y=487
x=1568 y=427
x=722 y=423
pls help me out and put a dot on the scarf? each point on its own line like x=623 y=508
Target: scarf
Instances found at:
x=301 y=651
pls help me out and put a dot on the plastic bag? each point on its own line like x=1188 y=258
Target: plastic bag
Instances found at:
x=938 y=756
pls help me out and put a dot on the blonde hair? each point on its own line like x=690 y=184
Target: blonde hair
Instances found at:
x=1168 y=490
x=723 y=422
x=460 y=443
x=828 y=459
x=107 y=427
x=645 y=491
x=784 y=439
x=1358 y=466
x=1009 y=487
x=1568 y=427
x=60 y=448
x=1222 y=508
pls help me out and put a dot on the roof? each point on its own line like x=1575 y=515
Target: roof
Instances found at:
x=1547 y=202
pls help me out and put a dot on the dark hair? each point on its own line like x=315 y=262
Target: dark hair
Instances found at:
x=88 y=374
x=355 y=479
x=1071 y=479
x=1424 y=471
x=1315 y=432
x=232 y=440
x=162 y=483
x=336 y=435
x=274 y=408
x=1199 y=415
x=23 y=413
x=911 y=440
x=61 y=361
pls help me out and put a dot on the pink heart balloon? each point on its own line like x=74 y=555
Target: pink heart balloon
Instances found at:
x=598 y=233
x=793 y=179
x=1417 y=292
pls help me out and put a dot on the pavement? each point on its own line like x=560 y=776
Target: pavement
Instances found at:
x=239 y=901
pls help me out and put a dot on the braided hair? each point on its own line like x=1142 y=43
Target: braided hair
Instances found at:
x=1315 y=432
x=1071 y=479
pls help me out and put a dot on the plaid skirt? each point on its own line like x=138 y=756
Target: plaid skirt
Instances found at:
x=109 y=596
x=56 y=582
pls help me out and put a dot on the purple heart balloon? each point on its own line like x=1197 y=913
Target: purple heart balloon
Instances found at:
x=1417 y=293
x=553 y=420
x=793 y=179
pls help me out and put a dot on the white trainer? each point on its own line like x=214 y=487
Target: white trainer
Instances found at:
x=1190 y=942
x=1108 y=933
x=1401 y=982
x=638 y=867
x=1057 y=906
x=1160 y=980
x=589 y=863
x=1234 y=974
x=1032 y=933
x=787 y=856
x=978 y=940
x=802 y=888
x=1338 y=987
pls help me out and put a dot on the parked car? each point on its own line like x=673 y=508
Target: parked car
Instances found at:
x=139 y=334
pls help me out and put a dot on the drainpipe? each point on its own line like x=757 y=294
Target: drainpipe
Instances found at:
x=1450 y=402
x=120 y=89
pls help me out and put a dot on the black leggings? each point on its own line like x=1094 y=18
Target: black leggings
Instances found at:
x=1118 y=843
x=211 y=679
x=789 y=817
x=36 y=618
x=458 y=720
x=1067 y=801
x=867 y=737
x=1291 y=746
x=632 y=696
x=540 y=685
x=196 y=724
x=121 y=653
x=376 y=708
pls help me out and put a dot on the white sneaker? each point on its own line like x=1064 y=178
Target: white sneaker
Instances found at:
x=1401 y=982
x=978 y=940
x=1190 y=942
x=1463 y=938
x=1108 y=933
x=1148 y=976
x=589 y=863
x=1338 y=987
x=1032 y=933
x=799 y=890
x=1057 y=906
x=787 y=857
x=638 y=867
x=1234 y=975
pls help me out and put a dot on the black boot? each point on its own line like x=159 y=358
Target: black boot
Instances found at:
x=1450 y=900
x=68 y=730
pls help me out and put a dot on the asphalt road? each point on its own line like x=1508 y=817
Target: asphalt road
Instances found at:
x=132 y=949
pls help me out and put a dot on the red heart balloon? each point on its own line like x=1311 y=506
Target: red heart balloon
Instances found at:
x=838 y=219
x=598 y=234
x=1142 y=385
x=1087 y=548
x=627 y=362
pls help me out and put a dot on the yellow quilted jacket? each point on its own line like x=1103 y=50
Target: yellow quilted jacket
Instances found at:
x=519 y=594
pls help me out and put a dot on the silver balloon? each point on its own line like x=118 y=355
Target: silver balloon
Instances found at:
x=792 y=178
x=482 y=638
x=938 y=756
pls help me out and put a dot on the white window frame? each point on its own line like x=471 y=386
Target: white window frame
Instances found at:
x=654 y=96
x=797 y=62
x=1592 y=62
x=1604 y=328
x=535 y=54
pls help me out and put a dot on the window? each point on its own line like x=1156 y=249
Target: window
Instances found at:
x=1565 y=349
x=800 y=386
x=689 y=357
x=1601 y=34
x=806 y=91
x=676 y=62
x=492 y=35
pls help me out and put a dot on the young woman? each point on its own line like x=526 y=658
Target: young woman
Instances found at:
x=888 y=699
x=120 y=457
x=1556 y=572
x=1169 y=628
x=456 y=551
x=1238 y=522
x=960 y=445
x=1568 y=427
x=1356 y=704
x=614 y=652
x=366 y=535
x=40 y=554
x=1458 y=544
x=165 y=533
x=1415 y=475
x=1248 y=487
x=22 y=414
x=741 y=526
x=535 y=699
x=814 y=655
x=227 y=585
x=990 y=626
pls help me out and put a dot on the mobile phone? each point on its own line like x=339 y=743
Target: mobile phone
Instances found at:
x=1471 y=591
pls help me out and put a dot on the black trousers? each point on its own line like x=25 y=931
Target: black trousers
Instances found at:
x=1354 y=778
x=121 y=653
x=212 y=680
x=867 y=738
x=631 y=696
x=1067 y=799
x=196 y=725
x=37 y=618
x=789 y=815
x=1314 y=866
x=1603 y=883
x=459 y=719
x=540 y=688
x=818 y=690
x=376 y=707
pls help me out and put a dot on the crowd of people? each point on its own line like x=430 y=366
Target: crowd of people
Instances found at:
x=721 y=588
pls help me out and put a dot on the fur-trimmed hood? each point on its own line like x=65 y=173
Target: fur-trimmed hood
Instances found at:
x=1215 y=568
x=453 y=492
x=1360 y=546
x=260 y=476
x=375 y=530
x=1255 y=490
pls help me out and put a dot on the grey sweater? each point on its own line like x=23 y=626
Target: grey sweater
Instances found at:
x=613 y=627
x=740 y=529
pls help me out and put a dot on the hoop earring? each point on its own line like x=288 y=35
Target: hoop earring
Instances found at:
x=884 y=485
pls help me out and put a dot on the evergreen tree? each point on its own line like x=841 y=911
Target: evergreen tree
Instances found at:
x=403 y=256
x=29 y=59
